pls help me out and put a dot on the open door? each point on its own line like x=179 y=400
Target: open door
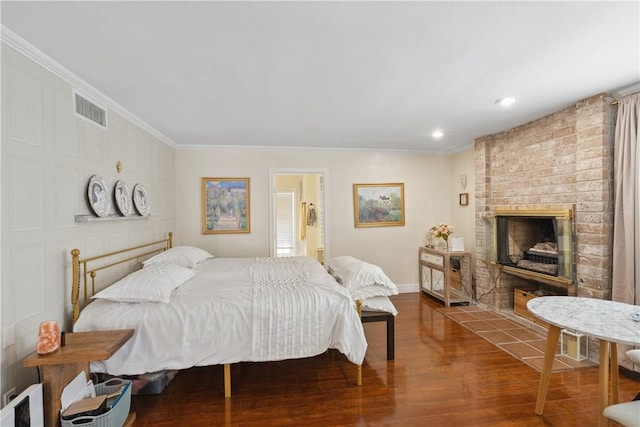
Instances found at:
x=297 y=212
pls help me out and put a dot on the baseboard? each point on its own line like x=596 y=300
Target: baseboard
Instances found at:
x=408 y=288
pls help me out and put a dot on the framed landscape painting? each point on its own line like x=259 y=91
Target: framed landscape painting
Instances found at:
x=378 y=205
x=225 y=205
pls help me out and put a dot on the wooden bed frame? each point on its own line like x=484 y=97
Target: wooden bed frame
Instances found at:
x=85 y=270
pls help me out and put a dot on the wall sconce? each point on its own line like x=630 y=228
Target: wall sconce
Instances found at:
x=119 y=166
x=463 y=181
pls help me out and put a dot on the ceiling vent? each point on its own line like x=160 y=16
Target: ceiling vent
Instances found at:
x=88 y=110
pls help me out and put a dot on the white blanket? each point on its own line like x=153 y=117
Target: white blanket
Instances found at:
x=233 y=310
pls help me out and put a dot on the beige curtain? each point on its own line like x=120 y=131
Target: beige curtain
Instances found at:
x=626 y=237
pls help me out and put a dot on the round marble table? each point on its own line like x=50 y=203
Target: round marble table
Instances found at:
x=609 y=321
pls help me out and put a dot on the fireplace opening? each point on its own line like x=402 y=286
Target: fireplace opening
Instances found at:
x=528 y=243
x=538 y=243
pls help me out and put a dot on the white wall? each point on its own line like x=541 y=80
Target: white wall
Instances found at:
x=48 y=156
x=463 y=217
x=428 y=200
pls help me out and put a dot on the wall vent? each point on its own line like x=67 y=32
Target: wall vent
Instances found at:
x=88 y=110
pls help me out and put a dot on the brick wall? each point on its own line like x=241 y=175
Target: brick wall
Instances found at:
x=561 y=161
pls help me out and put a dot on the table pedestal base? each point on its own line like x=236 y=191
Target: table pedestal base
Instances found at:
x=549 y=353
x=608 y=364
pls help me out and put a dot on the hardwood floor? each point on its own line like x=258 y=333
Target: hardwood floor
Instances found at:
x=443 y=375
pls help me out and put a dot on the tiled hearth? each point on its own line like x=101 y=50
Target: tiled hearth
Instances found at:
x=524 y=342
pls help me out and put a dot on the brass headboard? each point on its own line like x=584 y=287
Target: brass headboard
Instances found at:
x=104 y=261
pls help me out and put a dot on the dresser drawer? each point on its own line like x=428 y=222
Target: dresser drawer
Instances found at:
x=432 y=259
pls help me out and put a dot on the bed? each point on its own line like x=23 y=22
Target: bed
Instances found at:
x=191 y=309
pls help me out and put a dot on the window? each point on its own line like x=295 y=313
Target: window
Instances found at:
x=285 y=223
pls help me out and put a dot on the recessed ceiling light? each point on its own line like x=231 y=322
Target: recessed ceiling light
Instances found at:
x=505 y=101
x=437 y=134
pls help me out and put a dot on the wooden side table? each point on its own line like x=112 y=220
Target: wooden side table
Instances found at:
x=435 y=275
x=59 y=368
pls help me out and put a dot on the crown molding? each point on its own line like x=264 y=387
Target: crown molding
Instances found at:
x=14 y=41
x=325 y=149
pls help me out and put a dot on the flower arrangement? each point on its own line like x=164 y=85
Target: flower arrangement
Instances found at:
x=442 y=231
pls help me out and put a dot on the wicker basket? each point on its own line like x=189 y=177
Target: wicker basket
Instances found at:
x=520 y=299
x=116 y=416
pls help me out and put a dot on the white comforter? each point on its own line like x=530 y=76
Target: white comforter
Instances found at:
x=233 y=310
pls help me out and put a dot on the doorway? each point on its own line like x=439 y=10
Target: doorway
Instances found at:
x=297 y=212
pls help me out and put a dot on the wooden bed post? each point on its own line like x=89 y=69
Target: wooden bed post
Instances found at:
x=359 y=373
x=170 y=239
x=227 y=380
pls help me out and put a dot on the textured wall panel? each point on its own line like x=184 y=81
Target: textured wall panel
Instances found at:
x=117 y=149
x=65 y=125
x=166 y=164
x=25 y=105
x=131 y=144
x=94 y=245
x=26 y=194
x=27 y=279
x=66 y=201
x=95 y=142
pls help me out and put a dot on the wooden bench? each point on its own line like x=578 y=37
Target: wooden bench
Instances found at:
x=376 y=316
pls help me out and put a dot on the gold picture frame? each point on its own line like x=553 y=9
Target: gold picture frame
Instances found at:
x=226 y=205
x=378 y=205
x=464 y=199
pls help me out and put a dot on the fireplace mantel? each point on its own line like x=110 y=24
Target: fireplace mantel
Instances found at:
x=553 y=213
x=541 y=278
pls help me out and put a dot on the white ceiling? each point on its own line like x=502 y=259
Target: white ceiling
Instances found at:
x=359 y=74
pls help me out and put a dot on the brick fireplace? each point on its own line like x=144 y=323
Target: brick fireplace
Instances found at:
x=561 y=162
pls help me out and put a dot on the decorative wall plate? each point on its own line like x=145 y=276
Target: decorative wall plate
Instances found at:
x=141 y=200
x=123 y=198
x=98 y=196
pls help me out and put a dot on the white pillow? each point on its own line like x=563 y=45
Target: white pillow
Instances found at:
x=340 y=261
x=373 y=291
x=380 y=303
x=365 y=280
x=311 y=267
x=151 y=284
x=634 y=355
x=186 y=256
